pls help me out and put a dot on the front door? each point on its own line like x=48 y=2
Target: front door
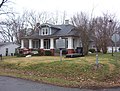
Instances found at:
x=6 y=51
x=46 y=43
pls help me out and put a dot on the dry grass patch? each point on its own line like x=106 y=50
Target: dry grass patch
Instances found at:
x=80 y=70
x=23 y=61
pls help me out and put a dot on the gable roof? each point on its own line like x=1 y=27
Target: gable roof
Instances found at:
x=6 y=43
x=50 y=25
x=2 y=43
x=65 y=30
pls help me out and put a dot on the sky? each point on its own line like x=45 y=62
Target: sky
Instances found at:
x=71 y=7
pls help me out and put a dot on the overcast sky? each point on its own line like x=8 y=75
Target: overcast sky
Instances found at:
x=70 y=6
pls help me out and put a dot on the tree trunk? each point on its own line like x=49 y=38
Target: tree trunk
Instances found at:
x=104 y=49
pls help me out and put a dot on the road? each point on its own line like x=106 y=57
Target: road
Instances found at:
x=16 y=84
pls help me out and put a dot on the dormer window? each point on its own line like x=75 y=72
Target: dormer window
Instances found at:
x=45 y=31
x=48 y=29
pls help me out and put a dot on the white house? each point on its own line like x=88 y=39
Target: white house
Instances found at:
x=45 y=36
x=8 y=48
x=110 y=49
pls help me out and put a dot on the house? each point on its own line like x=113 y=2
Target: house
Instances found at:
x=45 y=36
x=8 y=48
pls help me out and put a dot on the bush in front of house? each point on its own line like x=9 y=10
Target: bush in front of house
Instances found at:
x=92 y=50
x=20 y=55
x=40 y=53
x=64 y=51
x=47 y=53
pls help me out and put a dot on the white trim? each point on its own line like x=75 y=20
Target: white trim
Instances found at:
x=50 y=31
x=45 y=30
x=42 y=44
x=46 y=49
x=30 y=44
x=51 y=43
x=22 y=44
x=70 y=43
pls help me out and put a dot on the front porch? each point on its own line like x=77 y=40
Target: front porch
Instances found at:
x=49 y=44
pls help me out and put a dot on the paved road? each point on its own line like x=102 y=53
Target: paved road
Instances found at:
x=15 y=84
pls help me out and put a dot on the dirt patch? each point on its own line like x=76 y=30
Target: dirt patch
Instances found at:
x=97 y=67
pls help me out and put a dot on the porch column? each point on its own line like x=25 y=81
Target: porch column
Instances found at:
x=22 y=44
x=78 y=42
x=51 y=43
x=52 y=46
x=30 y=44
x=70 y=45
x=42 y=46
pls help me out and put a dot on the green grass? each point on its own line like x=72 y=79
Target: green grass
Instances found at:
x=74 y=72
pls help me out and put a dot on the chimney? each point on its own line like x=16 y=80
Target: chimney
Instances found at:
x=38 y=25
x=66 y=22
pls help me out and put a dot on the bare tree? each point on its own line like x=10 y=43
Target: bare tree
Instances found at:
x=82 y=23
x=5 y=7
x=15 y=27
x=12 y=29
x=103 y=30
x=3 y=2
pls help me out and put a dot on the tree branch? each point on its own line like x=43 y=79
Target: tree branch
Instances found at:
x=3 y=1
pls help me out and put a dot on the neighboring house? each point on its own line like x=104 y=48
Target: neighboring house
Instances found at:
x=110 y=49
x=45 y=36
x=8 y=48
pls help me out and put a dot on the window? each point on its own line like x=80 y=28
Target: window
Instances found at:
x=66 y=43
x=35 y=43
x=73 y=43
x=6 y=51
x=47 y=43
x=45 y=31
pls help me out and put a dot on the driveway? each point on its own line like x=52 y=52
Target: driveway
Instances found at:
x=16 y=84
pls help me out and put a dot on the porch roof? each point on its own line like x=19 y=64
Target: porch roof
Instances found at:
x=46 y=36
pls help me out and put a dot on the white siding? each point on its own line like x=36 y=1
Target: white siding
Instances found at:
x=49 y=31
x=44 y=29
x=11 y=49
x=110 y=49
x=77 y=43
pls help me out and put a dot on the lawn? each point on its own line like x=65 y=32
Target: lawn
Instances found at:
x=72 y=72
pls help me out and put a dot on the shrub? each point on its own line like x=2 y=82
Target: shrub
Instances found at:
x=92 y=50
x=48 y=53
x=40 y=53
x=20 y=55
x=64 y=51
